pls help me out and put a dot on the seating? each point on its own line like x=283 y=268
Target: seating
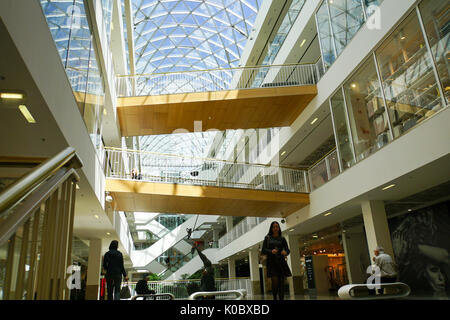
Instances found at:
x=362 y=291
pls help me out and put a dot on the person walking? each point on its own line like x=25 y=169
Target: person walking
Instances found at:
x=276 y=249
x=388 y=272
x=114 y=269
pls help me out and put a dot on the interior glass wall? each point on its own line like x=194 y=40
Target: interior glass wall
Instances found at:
x=325 y=37
x=338 y=21
x=347 y=17
x=69 y=26
x=409 y=83
x=342 y=130
x=436 y=18
x=367 y=112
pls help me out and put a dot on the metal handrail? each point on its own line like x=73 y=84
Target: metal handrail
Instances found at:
x=202 y=159
x=217 y=69
x=22 y=187
x=29 y=206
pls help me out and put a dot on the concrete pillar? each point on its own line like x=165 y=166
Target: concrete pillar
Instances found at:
x=357 y=257
x=215 y=234
x=229 y=223
x=231 y=268
x=253 y=258
x=376 y=225
x=296 y=281
x=94 y=269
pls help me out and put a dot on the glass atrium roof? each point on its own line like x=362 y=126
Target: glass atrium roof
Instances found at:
x=182 y=35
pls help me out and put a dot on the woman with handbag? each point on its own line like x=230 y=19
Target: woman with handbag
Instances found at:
x=276 y=248
x=113 y=265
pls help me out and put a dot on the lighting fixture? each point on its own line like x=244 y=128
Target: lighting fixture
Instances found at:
x=77 y=186
x=108 y=233
x=283 y=152
x=409 y=210
x=26 y=113
x=314 y=121
x=315 y=236
x=353 y=85
x=303 y=42
x=388 y=187
x=11 y=95
x=96 y=216
x=328 y=213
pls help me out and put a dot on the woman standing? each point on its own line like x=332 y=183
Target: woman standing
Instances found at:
x=113 y=265
x=276 y=248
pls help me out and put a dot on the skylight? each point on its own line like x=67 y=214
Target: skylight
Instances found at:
x=177 y=35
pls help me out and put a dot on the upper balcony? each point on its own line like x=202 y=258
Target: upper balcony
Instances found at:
x=221 y=99
x=154 y=182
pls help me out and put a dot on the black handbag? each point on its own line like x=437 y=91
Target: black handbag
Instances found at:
x=125 y=292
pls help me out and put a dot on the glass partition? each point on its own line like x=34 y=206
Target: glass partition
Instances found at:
x=409 y=83
x=436 y=18
x=69 y=26
x=325 y=37
x=347 y=17
x=342 y=130
x=338 y=21
x=367 y=112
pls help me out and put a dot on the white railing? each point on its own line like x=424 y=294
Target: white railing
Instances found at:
x=166 y=168
x=240 y=229
x=324 y=170
x=181 y=289
x=217 y=80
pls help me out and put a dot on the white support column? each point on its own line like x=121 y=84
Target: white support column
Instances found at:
x=296 y=281
x=254 y=271
x=94 y=269
x=229 y=223
x=231 y=268
x=376 y=225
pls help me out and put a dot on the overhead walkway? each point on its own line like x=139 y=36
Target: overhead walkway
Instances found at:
x=174 y=184
x=218 y=99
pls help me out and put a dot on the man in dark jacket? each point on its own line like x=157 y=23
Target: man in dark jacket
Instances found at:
x=142 y=287
x=113 y=265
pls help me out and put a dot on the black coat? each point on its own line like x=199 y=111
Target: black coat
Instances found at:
x=113 y=263
x=276 y=263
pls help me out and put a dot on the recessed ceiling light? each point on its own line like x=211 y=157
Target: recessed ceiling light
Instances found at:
x=314 y=121
x=303 y=42
x=328 y=213
x=26 y=113
x=283 y=152
x=388 y=187
x=353 y=85
x=409 y=210
x=11 y=95
x=96 y=216
x=108 y=233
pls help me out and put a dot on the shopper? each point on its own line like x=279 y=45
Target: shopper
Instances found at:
x=276 y=248
x=114 y=269
x=142 y=287
x=388 y=272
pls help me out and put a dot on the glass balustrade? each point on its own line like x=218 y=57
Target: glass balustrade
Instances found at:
x=154 y=167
